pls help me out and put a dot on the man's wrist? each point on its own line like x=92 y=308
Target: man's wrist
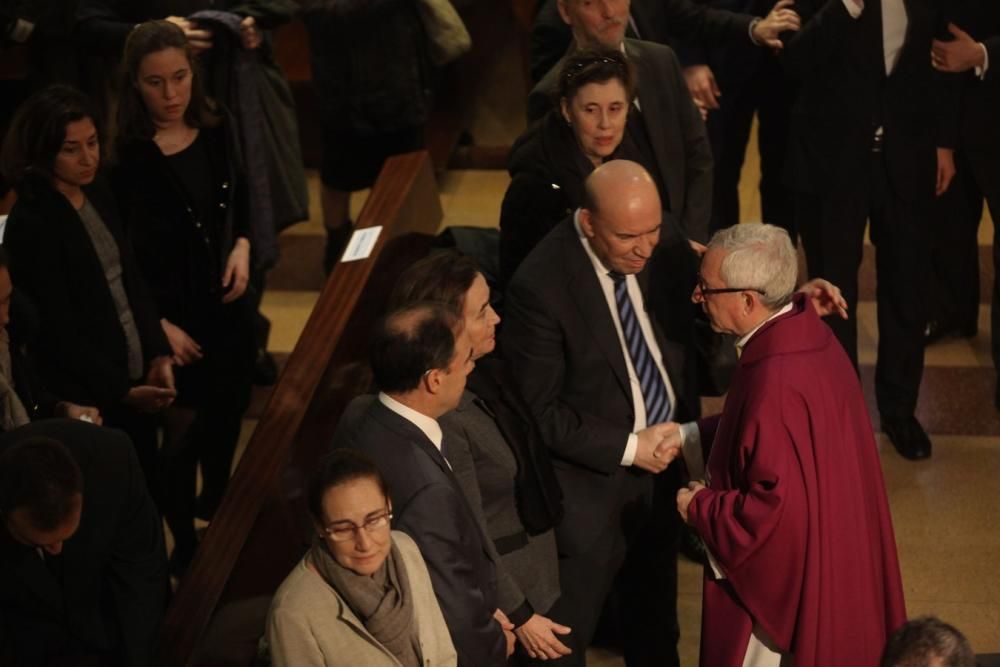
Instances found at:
x=753 y=26
x=985 y=65
x=631 y=445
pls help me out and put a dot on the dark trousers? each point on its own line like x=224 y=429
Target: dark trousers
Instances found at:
x=769 y=93
x=205 y=435
x=832 y=228
x=631 y=566
x=955 y=278
x=142 y=431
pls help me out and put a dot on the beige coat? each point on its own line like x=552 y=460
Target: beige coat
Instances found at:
x=310 y=624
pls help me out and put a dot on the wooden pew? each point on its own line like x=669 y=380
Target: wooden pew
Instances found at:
x=260 y=530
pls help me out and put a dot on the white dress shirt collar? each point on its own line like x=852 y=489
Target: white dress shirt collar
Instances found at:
x=427 y=425
x=742 y=342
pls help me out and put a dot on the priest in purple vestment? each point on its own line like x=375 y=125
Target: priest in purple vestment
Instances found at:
x=794 y=515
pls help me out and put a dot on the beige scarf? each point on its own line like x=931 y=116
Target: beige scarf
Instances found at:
x=383 y=601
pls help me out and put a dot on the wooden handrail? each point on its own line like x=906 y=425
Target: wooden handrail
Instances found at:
x=300 y=415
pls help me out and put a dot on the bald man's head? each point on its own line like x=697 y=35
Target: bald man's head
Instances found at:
x=621 y=215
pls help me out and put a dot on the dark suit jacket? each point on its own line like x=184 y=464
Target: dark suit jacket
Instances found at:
x=980 y=99
x=734 y=59
x=674 y=127
x=114 y=567
x=845 y=94
x=561 y=342
x=428 y=505
x=80 y=352
x=662 y=21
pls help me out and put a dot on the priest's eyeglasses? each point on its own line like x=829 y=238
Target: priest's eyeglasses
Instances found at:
x=345 y=530
x=704 y=290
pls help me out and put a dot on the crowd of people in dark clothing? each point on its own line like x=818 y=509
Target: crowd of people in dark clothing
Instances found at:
x=503 y=496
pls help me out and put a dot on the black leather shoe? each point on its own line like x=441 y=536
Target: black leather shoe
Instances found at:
x=937 y=330
x=908 y=437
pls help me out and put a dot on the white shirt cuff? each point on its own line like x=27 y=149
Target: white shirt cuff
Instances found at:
x=981 y=71
x=633 y=444
x=714 y=565
x=753 y=24
x=691 y=450
x=852 y=8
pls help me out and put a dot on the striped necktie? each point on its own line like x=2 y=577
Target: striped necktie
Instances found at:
x=654 y=391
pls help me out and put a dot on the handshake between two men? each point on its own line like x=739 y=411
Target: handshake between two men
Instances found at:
x=658 y=446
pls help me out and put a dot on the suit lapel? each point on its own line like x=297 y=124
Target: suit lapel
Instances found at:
x=409 y=431
x=653 y=115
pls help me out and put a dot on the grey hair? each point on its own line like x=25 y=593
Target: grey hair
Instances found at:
x=920 y=640
x=761 y=257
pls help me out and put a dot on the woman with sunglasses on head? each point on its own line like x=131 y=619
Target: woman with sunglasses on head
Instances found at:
x=99 y=341
x=361 y=595
x=594 y=121
x=180 y=187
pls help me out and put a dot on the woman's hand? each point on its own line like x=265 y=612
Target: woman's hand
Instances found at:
x=508 y=630
x=85 y=413
x=186 y=350
x=146 y=398
x=538 y=636
x=200 y=39
x=161 y=372
x=237 y=274
x=825 y=297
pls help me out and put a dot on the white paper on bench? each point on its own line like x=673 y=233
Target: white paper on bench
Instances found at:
x=361 y=244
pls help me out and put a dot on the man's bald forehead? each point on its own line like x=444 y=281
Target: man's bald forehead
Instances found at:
x=616 y=180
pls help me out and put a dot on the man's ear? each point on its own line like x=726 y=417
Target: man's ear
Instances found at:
x=432 y=380
x=585 y=223
x=564 y=11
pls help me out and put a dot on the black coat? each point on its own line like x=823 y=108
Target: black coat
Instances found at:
x=369 y=64
x=114 y=567
x=844 y=95
x=546 y=185
x=673 y=125
x=103 y=25
x=80 y=350
x=664 y=21
x=183 y=256
x=547 y=170
x=429 y=506
x=980 y=98
x=22 y=330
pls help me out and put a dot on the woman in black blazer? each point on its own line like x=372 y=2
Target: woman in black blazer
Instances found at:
x=99 y=340
x=496 y=451
x=184 y=201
